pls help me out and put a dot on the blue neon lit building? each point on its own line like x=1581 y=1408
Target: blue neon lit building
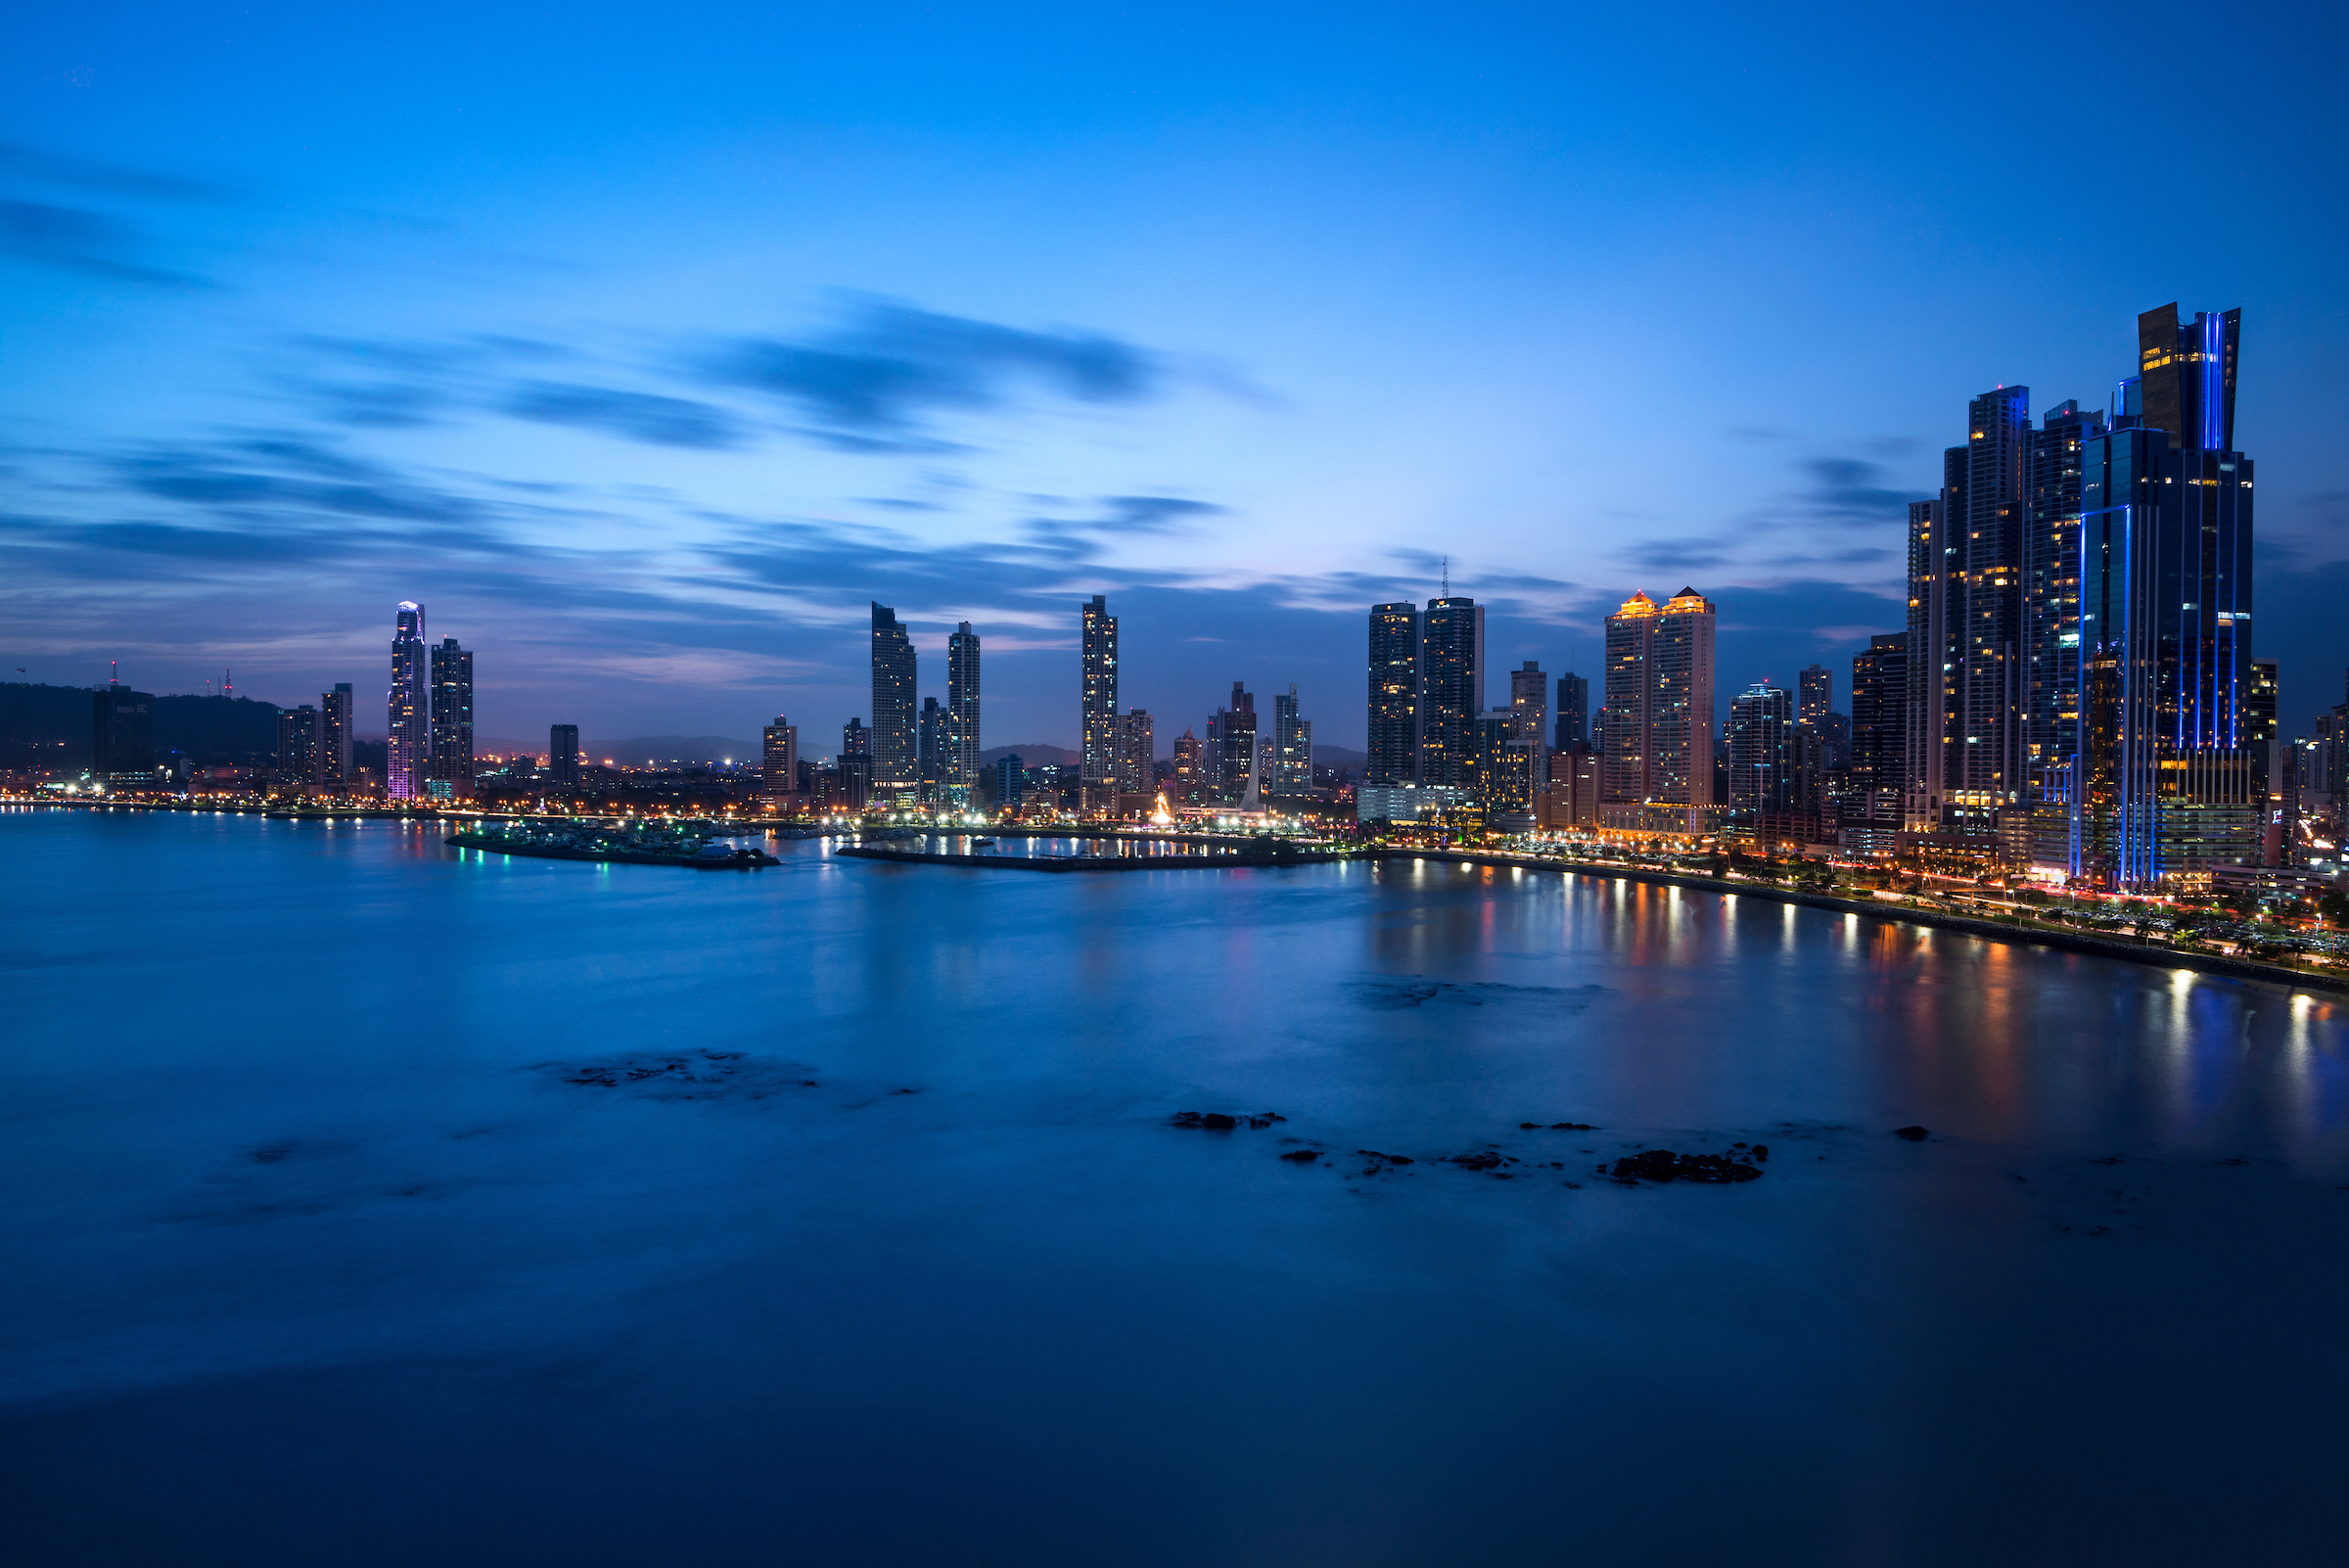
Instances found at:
x=2161 y=769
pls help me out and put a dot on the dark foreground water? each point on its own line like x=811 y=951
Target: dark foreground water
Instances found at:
x=314 y=1249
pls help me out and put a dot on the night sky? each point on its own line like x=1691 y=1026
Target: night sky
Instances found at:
x=646 y=345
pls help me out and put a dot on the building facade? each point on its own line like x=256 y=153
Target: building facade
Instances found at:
x=1393 y=744
x=563 y=755
x=297 y=732
x=1656 y=725
x=1880 y=715
x=333 y=774
x=1231 y=746
x=121 y=733
x=896 y=743
x=1291 y=768
x=1762 y=749
x=1137 y=758
x=1573 y=728
x=779 y=765
x=1097 y=755
x=2165 y=632
x=1451 y=675
x=960 y=761
x=451 y=775
x=407 y=747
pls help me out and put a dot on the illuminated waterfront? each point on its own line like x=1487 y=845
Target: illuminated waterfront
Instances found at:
x=338 y=1194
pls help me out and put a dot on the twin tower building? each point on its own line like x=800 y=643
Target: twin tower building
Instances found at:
x=428 y=753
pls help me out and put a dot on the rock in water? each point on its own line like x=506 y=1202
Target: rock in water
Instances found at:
x=1914 y=1134
x=1662 y=1165
x=1303 y=1156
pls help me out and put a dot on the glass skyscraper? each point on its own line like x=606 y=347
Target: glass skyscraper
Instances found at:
x=408 y=747
x=1656 y=722
x=452 y=720
x=1573 y=724
x=959 y=762
x=1451 y=695
x=895 y=766
x=1097 y=760
x=334 y=739
x=1762 y=735
x=1394 y=733
x=1292 y=769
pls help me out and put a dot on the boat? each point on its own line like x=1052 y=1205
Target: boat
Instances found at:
x=976 y=843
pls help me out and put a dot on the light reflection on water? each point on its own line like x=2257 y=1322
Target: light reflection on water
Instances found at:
x=468 y=1294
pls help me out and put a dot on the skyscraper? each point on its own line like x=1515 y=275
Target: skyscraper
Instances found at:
x=2260 y=730
x=407 y=749
x=779 y=763
x=1880 y=717
x=1814 y=689
x=298 y=745
x=1190 y=770
x=1137 y=743
x=1097 y=758
x=334 y=739
x=895 y=767
x=854 y=739
x=1982 y=494
x=1292 y=769
x=1231 y=746
x=563 y=755
x=1625 y=775
x=2051 y=595
x=1529 y=705
x=1762 y=724
x=2163 y=773
x=1931 y=668
x=1501 y=777
x=961 y=764
x=451 y=773
x=930 y=742
x=121 y=733
x=1393 y=735
x=1452 y=675
x=1574 y=714
x=1656 y=727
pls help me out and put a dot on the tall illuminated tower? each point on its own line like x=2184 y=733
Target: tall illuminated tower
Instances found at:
x=1451 y=693
x=407 y=749
x=1097 y=760
x=2165 y=777
x=334 y=739
x=895 y=769
x=452 y=719
x=1394 y=737
x=959 y=759
x=1656 y=727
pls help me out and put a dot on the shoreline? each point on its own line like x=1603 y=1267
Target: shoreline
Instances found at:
x=2148 y=953
x=1909 y=914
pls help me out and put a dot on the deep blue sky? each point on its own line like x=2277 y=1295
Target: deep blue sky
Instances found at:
x=645 y=347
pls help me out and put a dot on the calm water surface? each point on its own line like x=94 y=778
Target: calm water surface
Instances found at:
x=319 y=1250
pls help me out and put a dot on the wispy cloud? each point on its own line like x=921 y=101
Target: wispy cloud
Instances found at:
x=876 y=378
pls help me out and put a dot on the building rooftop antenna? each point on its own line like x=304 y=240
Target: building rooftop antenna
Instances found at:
x=1448 y=577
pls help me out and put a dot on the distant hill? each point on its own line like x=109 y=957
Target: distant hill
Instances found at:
x=51 y=725
x=636 y=750
x=1340 y=756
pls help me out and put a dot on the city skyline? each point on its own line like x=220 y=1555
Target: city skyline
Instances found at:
x=606 y=396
